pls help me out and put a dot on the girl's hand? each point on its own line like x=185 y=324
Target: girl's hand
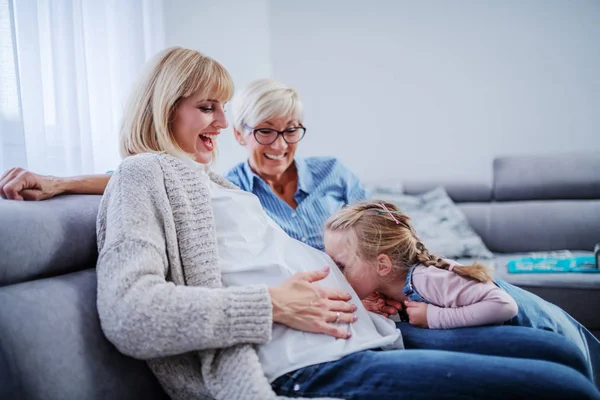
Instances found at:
x=417 y=313
x=299 y=304
x=381 y=304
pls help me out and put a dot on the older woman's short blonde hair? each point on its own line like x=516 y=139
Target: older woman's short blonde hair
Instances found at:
x=262 y=100
x=173 y=74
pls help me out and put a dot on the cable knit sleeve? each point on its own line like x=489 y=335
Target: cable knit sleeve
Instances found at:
x=141 y=312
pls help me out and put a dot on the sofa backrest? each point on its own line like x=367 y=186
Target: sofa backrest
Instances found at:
x=52 y=346
x=534 y=203
x=560 y=177
x=51 y=342
x=545 y=203
x=47 y=238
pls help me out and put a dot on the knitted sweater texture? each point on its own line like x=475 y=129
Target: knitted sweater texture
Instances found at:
x=160 y=296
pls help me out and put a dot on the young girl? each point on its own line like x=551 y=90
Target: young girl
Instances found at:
x=378 y=250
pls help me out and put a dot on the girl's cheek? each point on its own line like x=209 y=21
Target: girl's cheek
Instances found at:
x=355 y=280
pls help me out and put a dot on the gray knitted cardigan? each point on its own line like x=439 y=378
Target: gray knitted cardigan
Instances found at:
x=160 y=296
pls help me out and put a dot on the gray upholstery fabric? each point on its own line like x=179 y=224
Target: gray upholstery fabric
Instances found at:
x=553 y=177
x=46 y=238
x=52 y=348
x=459 y=192
x=478 y=216
x=544 y=225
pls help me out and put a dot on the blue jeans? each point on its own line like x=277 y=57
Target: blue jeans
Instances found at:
x=493 y=368
x=534 y=312
x=427 y=374
x=498 y=340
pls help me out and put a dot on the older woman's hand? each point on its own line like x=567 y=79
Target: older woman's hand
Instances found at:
x=20 y=184
x=299 y=304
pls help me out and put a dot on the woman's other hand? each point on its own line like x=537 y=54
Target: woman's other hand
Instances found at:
x=299 y=304
x=417 y=313
x=381 y=304
x=20 y=184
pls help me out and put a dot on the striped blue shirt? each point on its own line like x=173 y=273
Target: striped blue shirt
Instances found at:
x=324 y=186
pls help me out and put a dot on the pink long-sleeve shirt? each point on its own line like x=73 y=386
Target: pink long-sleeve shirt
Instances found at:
x=459 y=302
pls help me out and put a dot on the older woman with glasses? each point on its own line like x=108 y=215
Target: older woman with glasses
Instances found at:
x=300 y=194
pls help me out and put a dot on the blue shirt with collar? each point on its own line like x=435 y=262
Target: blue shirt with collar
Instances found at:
x=325 y=185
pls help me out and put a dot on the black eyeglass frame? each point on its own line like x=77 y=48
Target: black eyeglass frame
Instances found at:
x=282 y=133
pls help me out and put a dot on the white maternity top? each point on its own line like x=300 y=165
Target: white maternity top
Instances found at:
x=253 y=249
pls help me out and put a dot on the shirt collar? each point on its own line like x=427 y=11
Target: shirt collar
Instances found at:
x=305 y=180
x=250 y=175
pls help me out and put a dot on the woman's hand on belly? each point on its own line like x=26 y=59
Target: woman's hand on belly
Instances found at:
x=299 y=304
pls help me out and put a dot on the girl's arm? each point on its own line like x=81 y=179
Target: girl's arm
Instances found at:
x=460 y=302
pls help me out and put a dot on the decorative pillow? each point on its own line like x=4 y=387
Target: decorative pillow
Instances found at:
x=442 y=226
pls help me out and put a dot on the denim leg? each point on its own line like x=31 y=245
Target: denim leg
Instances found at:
x=427 y=374
x=497 y=340
x=537 y=313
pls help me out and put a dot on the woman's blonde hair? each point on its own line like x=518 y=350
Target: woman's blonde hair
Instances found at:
x=263 y=100
x=375 y=230
x=173 y=74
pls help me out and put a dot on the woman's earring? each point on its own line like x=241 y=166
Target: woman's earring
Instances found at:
x=242 y=142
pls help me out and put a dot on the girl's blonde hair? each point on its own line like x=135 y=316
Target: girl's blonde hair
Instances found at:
x=173 y=74
x=375 y=230
x=262 y=100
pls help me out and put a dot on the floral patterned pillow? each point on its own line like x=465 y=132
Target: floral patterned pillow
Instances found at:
x=442 y=226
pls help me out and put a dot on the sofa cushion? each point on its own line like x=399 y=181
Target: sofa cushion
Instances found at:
x=550 y=177
x=47 y=238
x=52 y=347
x=523 y=226
x=441 y=225
x=478 y=217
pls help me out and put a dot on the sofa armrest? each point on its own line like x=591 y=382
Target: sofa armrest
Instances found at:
x=52 y=347
x=47 y=238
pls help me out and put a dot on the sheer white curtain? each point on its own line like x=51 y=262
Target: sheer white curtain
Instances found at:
x=66 y=69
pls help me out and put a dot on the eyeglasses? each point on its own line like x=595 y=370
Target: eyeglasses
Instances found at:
x=267 y=135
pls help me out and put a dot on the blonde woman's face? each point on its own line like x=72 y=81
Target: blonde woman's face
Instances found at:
x=361 y=275
x=271 y=160
x=197 y=123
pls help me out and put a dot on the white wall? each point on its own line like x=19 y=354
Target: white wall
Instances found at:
x=416 y=90
x=434 y=90
x=234 y=32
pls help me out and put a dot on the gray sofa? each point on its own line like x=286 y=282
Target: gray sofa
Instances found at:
x=51 y=344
